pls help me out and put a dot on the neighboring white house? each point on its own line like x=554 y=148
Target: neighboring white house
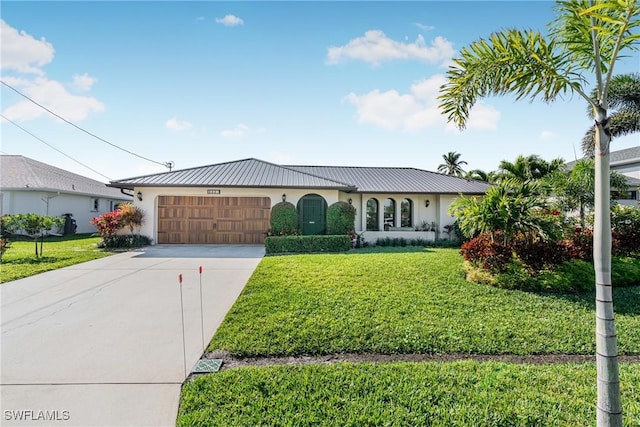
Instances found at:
x=30 y=186
x=627 y=162
x=230 y=203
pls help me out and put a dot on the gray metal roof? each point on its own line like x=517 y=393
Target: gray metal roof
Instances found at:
x=241 y=173
x=397 y=180
x=23 y=173
x=629 y=155
x=617 y=158
x=258 y=173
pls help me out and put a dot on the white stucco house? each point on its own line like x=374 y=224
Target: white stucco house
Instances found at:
x=627 y=162
x=230 y=203
x=30 y=186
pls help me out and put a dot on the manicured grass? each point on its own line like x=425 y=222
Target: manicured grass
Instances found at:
x=19 y=260
x=403 y=394
x=407 y=302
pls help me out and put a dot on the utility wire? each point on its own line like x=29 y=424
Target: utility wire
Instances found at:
x=51 y=146
x=165 y=164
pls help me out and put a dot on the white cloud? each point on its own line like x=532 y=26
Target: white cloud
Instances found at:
x=23 y=53
x=424 y=27
x=177 y=125
x=230 y=21
x=375 y=47
x=200 y=18
x=53 y=95
x=240 y=131
x=83 y=82
x=415 y=110
x=547 y=134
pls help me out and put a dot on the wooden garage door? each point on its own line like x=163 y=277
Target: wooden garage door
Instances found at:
x=222 y=220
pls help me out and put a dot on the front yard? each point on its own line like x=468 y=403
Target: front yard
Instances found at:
x=20 y=261
x=402 y=302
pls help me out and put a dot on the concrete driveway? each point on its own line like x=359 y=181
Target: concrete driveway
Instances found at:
x=100 y=343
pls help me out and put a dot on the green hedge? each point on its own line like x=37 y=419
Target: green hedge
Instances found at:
x=306 y=244
x=284 y=219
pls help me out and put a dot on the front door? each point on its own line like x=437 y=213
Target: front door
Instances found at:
x=312 y=214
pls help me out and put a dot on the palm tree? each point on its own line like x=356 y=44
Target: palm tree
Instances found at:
x=624 y=96
x=452 y=164
x=586 y=37
x=480 y=175
x=575 y=189
x=528 y=168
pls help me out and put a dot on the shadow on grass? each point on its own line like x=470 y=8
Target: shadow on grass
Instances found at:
x=389 y=250
x=67 y=238
x=625 y=300
x=35 y=261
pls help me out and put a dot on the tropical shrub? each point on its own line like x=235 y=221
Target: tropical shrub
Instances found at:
x=341 y=218
x=284 y=219
x=487 y=252
x=625 y=223
x=510 y=208
x=131 y=216
x=122 y=241
x=108 y=224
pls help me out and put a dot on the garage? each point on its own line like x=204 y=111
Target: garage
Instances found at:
x=213 y=220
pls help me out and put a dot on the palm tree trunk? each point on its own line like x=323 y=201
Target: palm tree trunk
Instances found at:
x=609 y=410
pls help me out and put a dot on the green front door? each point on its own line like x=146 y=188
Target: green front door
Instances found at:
x=312 y=214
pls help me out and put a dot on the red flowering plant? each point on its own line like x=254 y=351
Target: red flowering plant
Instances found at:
x=108 y=225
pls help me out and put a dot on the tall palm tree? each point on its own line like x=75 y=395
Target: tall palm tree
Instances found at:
x=586 y=37
x=624 y=97
x=528 y=168
x=452 y=164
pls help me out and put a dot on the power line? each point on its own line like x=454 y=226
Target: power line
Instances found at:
x=165 y=164
x=51 y=146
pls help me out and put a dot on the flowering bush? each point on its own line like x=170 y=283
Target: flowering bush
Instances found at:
x=108 y=225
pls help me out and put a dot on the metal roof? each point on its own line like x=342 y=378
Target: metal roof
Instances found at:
x=397 y=180
x=258 y=173
x=629 y=155
x=23 y=173
x=240 y=173
x=617 y=158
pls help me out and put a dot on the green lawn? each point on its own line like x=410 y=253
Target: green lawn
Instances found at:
x=19 y=260
x=407 y=302
x=403 y=394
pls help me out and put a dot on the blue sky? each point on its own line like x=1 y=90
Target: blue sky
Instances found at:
x=333 y=83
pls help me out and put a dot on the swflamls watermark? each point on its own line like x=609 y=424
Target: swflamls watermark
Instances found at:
x=36 y=415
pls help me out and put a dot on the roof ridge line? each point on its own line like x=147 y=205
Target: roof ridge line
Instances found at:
x=315 y=176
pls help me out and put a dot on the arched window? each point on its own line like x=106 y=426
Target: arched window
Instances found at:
x=389 y=213
x=406 y=213
x=372 y=215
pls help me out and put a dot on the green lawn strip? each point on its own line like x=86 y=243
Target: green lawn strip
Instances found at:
x=20 y=261
x=407 y=302
x=403 y=394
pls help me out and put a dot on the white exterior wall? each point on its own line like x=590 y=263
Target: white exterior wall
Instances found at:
x=632 y=170
x=150 y=195
x=81 y=206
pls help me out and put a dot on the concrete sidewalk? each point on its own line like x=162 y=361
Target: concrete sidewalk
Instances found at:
x=100 y=343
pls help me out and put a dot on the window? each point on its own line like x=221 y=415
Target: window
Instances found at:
x=372 y=215
x=95 y=204
x=625 y=195
x=389 y=213
x=406 y=213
